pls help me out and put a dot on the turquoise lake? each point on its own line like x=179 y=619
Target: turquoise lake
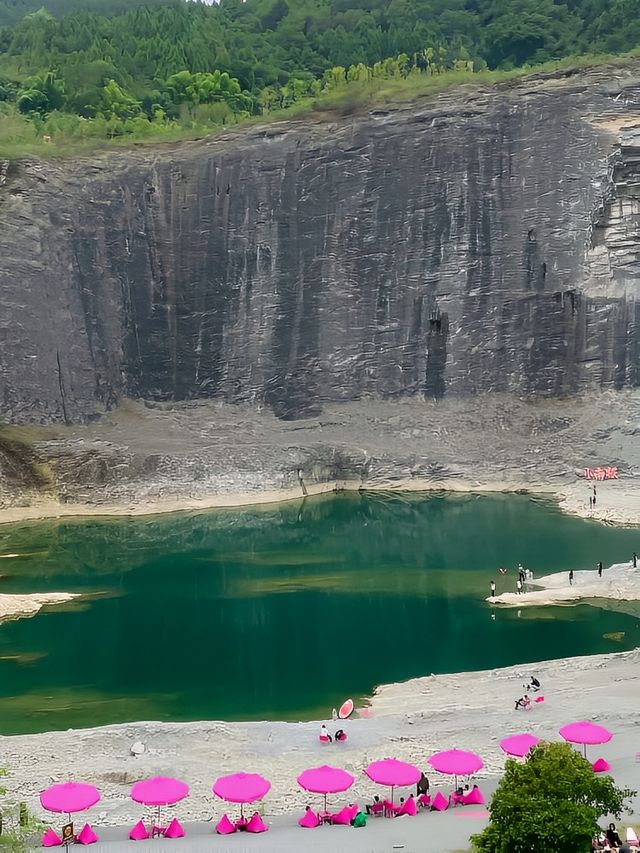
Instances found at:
x=284 y=611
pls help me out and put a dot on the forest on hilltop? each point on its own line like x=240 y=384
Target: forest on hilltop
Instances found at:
x=104 y=68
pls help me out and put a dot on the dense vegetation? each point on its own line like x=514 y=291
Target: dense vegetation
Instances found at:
x=551 y=802
x=104 y=68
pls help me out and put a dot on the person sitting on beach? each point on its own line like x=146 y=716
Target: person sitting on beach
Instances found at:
x=612 y=836
x=396 y=809
x=340 y=735
x=534 y=686
x=324 y=733
x=524 y=703
x=375 y=807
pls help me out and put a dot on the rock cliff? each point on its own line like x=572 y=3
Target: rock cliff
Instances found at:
x=401 y=294
x=484 y=240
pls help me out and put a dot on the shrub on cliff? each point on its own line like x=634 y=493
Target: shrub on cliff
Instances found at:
x=551 y=802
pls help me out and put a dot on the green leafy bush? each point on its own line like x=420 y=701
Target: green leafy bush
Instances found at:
x=551 y=802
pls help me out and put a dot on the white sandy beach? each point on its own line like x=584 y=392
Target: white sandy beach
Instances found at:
x=619 y=502
x=17 y=606
x=619 y=582
x=408 y=721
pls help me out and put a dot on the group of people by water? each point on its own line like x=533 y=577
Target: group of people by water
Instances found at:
x=524 y=702
x=339 y=736
x=525 y=575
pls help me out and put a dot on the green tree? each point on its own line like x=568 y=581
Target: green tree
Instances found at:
x=41 y=94
x=117 y=104
x=552 y=802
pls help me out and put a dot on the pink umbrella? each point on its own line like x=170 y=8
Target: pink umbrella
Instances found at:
x=519 y=745
x=393 y=773
x=325 y=780
x=456 y=762
x=160 y=791
x=241 y=788
x=584 y=733
x=69 y=797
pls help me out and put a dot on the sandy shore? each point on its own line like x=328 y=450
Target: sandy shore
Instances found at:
x=17 y=606
x=409 y=721
x=619 y=582
x=619 y=501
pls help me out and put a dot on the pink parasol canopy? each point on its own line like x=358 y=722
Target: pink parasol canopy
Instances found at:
x=393 y=773
x=241 y=788
x=69 y=797
x=585 y=732
x=325 y=780
x=519 y=745
x=456 y=762
x=160 y=791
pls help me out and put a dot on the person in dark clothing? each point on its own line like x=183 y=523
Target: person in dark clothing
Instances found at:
x=571 y=578
x=635 y=560
x=493 y=589
x=422 y=786
x=612 y=835
x=599 y=570
x=375 y=806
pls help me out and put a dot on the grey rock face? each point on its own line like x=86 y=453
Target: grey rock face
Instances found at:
x=478 y=242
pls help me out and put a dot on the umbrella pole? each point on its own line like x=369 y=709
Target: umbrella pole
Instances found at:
x=325 y=803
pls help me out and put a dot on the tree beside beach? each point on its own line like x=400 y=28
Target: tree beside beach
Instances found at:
x=550 y=802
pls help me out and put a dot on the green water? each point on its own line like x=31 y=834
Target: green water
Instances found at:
x=283 y=612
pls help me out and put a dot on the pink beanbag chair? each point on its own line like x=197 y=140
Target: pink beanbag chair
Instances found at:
x=139 y=832
x=440 y=803
x=256 y=824
x=174 y=830
x=539 y=699
x=424 y=800
x=86 y=835
x=225 y=827
x=51 y=838
x=456 y=799
x=343 y=817
x=309 y=819
x=601 y=766
x=408 y=807
x=473 y=798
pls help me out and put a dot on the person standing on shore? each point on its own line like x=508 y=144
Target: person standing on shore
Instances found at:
x=571 y=578
x=493 y=589
x=600 y=569
x=594 y=495
x=635 y=560
x=590 y=502
x=519 y=587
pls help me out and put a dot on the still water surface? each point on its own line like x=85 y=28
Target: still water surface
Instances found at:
x=283 y=612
